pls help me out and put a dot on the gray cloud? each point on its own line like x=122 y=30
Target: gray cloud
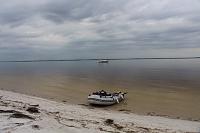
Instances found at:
x=98 y=28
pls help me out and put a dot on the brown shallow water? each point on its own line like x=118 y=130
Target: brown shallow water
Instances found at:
x=166 y=87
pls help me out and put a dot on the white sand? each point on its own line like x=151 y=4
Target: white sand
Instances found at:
x=57 y=117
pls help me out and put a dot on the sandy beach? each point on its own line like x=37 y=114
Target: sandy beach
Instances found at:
x=22 y=113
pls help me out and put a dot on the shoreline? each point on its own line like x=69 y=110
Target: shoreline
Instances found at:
x=51 y=116
x=139 y=103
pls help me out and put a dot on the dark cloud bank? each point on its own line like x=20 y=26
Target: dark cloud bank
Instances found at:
x=62 y=29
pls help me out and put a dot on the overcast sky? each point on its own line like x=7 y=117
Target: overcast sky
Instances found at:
x=65 y=29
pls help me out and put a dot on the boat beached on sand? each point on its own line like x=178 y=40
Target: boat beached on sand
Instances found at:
x=104 y=98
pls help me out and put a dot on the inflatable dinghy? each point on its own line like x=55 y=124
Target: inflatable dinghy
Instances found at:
x=104 y=98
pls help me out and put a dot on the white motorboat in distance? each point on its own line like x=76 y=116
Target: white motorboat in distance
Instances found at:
x=104 y=98
x=103 y=61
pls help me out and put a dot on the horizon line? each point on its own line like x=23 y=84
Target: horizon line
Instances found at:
x=96 y=59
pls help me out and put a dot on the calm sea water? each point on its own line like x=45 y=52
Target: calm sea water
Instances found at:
x=166 y=87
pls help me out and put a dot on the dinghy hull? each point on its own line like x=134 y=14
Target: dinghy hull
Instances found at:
x=105 y=100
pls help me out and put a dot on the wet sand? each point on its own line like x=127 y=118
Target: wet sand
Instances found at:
x=164 y=90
